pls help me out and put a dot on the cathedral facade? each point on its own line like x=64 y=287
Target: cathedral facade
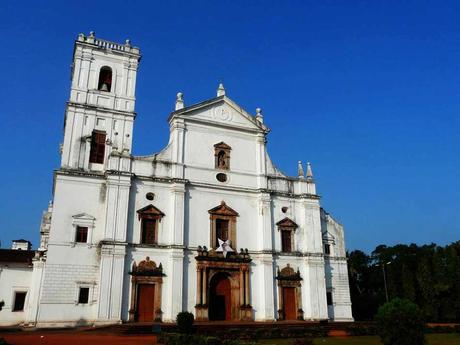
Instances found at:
x=207 y=225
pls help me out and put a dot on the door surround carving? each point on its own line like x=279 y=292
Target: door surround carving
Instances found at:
x=146 y=272
x=237 y=268
x=288 y=278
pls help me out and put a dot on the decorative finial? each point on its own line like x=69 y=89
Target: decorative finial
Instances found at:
x=309 y=172
x=90 y=38
x=300 y=172
x=128 y=43
x=179 y=101
x=259 y=116
x=220 y=90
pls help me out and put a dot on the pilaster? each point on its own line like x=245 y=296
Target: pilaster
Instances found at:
x=268 y=294
x=174 y=291
x=111 y=281
x=177 y=213
x=265 y=228
x=178 y=133
x=118 y=187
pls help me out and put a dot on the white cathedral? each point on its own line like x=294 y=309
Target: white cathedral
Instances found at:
x=207 y=225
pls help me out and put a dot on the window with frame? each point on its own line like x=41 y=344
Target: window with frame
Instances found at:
x=150 y=217
x=223 y=225
x=287 y=227
x=327 y=249
x=19 y=300
x=149 y=231
x=81 y=234
x=221 y=230
x=97 y=150
x=83 y=295
x=329 y=298
x=286 y=241
x=105 y=79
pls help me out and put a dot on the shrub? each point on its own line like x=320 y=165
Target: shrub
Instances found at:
x=185 y=322
x=188 y=339
x=305 y=341
x=260 y=333
x=274 y=333
x=213 y=341
x=400 y=323
x=358 y=330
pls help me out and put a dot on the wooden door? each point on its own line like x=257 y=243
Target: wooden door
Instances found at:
x=145 y=302
x=223 y=292
x=289 y=299
x=220 y=301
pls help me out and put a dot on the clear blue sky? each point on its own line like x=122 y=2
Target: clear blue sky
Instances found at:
x=368 y=91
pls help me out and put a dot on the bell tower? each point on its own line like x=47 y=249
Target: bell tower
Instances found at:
x=100 y=112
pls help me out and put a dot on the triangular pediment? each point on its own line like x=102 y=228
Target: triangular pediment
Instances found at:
x=83 y=216
x=151 y=211
x=223 y=210
x=220 y=111
x=222 y=146
x=287 y=223
x=327 y=236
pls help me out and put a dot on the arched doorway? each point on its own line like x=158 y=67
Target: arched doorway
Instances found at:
x=220 y=300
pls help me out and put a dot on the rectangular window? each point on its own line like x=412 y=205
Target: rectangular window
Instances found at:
x=221 y=230
x=327 y=249
x=19 y=301
x=82 y=234
x=286 y=241
x=83 y=295
x=148 y=231
x=329 y=297
x=97 y=147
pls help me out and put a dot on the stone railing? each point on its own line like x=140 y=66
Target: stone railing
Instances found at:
x=108 y=44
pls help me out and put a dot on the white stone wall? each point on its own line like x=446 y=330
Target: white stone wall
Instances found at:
x=106 y=197
x=336 y=269
x=14 y=278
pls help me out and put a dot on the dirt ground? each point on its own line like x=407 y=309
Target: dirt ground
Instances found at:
x=66 y=338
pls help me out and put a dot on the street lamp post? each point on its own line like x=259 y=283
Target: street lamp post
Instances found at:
x=385 y=278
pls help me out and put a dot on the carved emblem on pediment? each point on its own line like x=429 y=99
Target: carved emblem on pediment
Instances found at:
x=288 y=273
x=223 y=114
x=146 y=267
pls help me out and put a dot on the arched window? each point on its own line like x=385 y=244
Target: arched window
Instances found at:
x=105 y=79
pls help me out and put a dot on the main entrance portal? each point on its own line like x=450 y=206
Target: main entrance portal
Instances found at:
x=220 y=299
x=222 y=286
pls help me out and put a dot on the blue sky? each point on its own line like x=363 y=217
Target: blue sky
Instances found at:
x=367 y=91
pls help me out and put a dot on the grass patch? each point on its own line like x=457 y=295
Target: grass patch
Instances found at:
x=433 y=339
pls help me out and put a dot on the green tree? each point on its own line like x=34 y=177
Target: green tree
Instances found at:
x=400 y=322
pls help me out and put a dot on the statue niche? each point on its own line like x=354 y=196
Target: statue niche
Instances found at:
x=222 y=156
